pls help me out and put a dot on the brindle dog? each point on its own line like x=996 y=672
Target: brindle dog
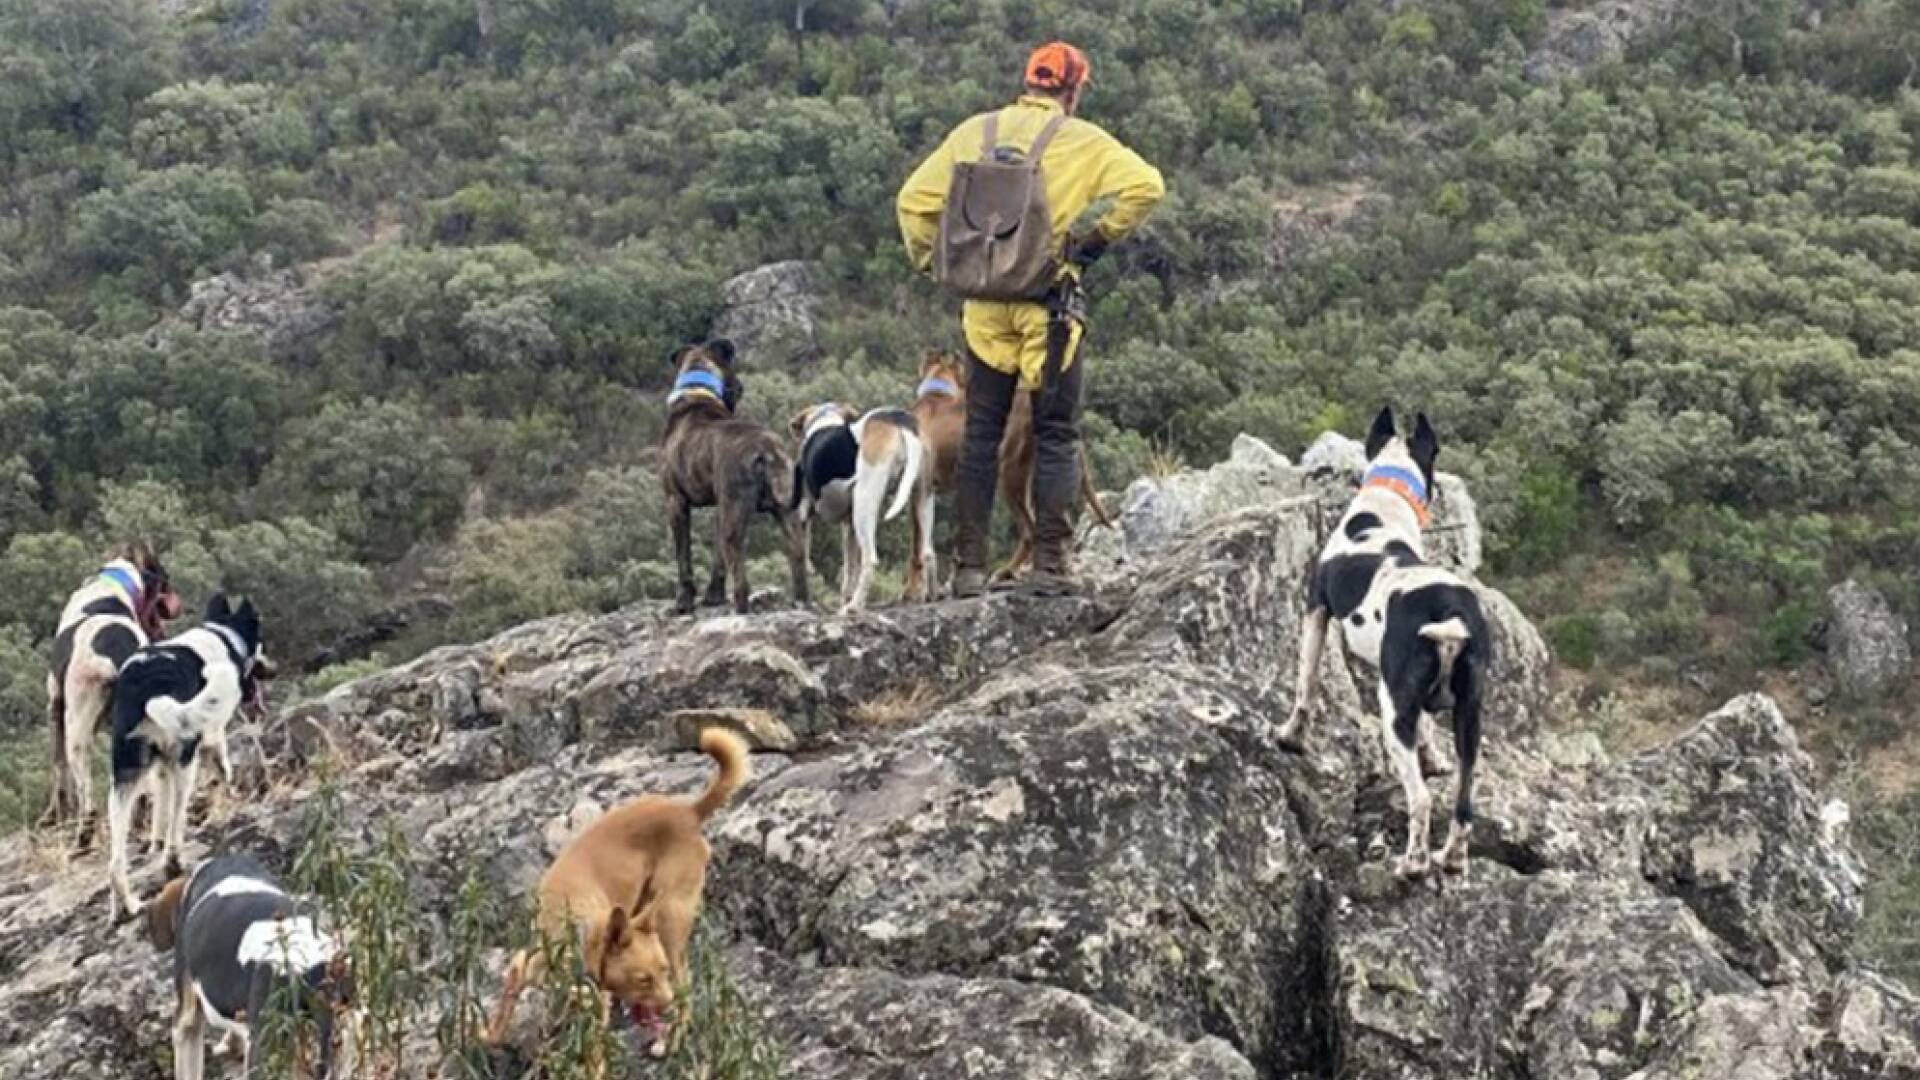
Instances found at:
x=711 y=458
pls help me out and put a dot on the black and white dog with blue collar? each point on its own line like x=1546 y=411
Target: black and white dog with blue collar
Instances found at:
x=1418 y=625
x=171 y=697
x=241 y=948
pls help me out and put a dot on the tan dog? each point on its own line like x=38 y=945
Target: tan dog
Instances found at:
x=629 y=888
x=940 y=408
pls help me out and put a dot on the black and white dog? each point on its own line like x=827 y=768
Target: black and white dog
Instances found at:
x=242 y=946
x=170 y=698
x=118 y=610
x=841 y=475
x=1419 y=626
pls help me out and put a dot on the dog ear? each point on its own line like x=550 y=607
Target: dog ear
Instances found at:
x=139 y=554
x=218 y=610
x=1425 y=445
x=798 y=425
x=1381 y=433
x=722 y=349
x=162 y=912
x=618 y=928
x=679 y=357
x=732 y=392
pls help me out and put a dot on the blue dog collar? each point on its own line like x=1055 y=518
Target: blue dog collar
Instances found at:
x=1404 y=482
x=937 y=385
x=698 y=381
x=125 y=580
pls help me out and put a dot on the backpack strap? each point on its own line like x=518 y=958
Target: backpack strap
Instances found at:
x=990 y=137
x=1045 y=138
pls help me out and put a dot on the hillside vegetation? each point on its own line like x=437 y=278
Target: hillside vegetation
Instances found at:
x=1667 y=315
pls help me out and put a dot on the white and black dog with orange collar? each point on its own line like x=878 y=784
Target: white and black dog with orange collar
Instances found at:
x=1418 y=625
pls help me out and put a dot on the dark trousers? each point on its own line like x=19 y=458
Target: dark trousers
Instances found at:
x=1056 y=464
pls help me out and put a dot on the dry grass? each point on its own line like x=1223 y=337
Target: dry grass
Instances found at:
x=897 y=708
x=1163 y=459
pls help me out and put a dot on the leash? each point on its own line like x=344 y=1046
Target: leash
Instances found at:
x=1066 y=305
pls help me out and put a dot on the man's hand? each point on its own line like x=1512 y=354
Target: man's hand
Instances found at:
x=1083 y=251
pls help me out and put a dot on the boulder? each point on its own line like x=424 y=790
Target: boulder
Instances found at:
x=1577 y=40
x=274 y=305
x=1055 y=837
x=1866 y=641
x=769 y=315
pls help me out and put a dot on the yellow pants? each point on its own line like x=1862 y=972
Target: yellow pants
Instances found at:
x=1011 y=338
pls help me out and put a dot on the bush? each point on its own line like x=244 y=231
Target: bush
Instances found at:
x=376 y=473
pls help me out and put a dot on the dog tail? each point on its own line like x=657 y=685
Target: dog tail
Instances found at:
x=729 y=751
x=1449 y=636
x=779 y=490
x=910 y=478
x=1087 y=493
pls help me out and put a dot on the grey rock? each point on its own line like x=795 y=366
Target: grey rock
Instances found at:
x=1577 y=40
x=274 y=305
x=866 y=1024
x=1737 y=832
x=770 y=314
x=1015 y=837
x=1866 y=641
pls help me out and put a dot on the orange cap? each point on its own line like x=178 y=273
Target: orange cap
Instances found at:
x=1058 y=66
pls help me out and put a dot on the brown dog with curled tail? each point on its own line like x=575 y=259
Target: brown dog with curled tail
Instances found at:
x=629 y=888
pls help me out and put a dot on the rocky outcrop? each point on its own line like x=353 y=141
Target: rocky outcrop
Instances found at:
x=275 y=305
x=1578 y=40
x=1866 y=641
x=769 y=316
x=1054 y=838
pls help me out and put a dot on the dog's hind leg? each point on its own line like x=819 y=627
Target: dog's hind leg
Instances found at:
x=88 y=692
x=1016 y=492
x=1466 y=747
x=1399 y=733
x=155 y=791
x=60 y=784
x=869 y=493
x=799 y=555
x=730 y=561
x=1313 y=640
x=724 y=558
x=120 y=798
x=849 y=558
x=189 y=1035
x=180 y=792
x=922 y=567
x=680 y=520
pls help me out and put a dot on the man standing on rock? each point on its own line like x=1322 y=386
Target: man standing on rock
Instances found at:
x=990 y=215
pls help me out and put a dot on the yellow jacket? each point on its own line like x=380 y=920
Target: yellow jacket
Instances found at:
x=1083 y=165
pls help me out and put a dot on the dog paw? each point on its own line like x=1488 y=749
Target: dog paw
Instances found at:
x=658 y=1049
x=1412 y=867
